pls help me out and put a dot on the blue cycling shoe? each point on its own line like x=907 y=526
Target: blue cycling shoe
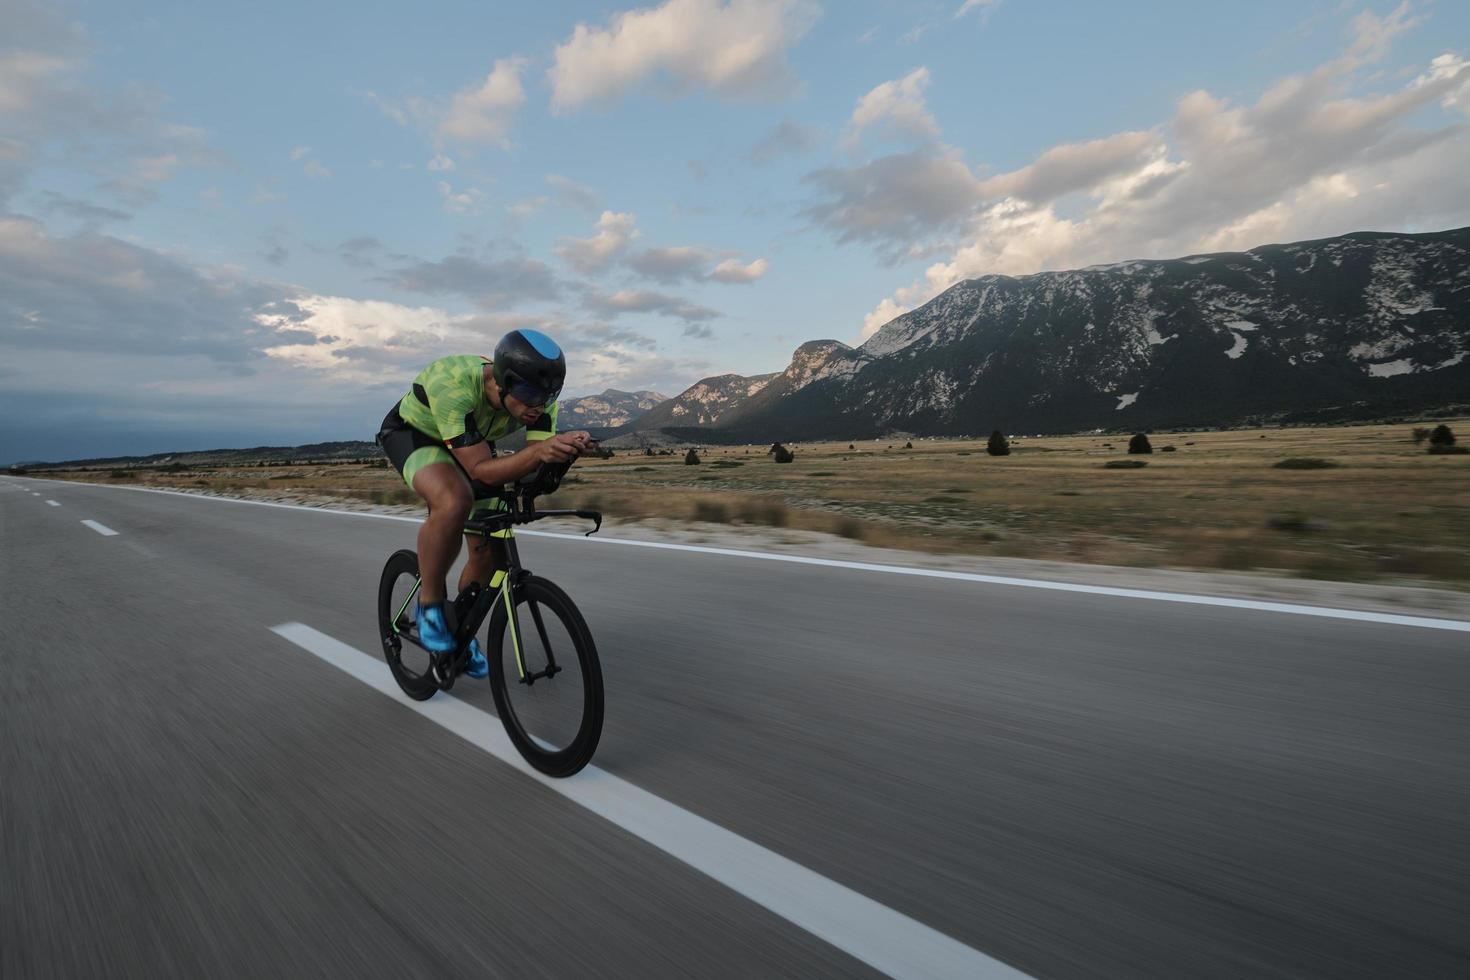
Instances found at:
x=436 y=637
x=433 y=628
x=477 y=666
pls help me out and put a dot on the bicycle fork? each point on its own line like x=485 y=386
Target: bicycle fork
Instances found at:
x=513 y=625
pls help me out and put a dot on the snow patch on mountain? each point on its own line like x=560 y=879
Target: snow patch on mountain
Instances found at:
x=1388 y=370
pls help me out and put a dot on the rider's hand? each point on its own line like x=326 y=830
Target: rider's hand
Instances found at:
x=586 y=445
x=557 y=449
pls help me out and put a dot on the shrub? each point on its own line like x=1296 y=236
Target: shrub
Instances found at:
x=764 y=512
x=648 y=450
x=711 y=512
x=908 y=445
x=776 y=447
x=1305 y=463
x=691 y=458
x=1441 y=436
x=643 y=469
x=998 y=444
x=122 y=474
x=1420 y=435
x=1295 y=523
x=1139 y=444
x=850 y=528
x=400 y=495
x=1125 y=464
x=783 y=455
x=1168 y=449
x=1449 y=450
x=851 y=446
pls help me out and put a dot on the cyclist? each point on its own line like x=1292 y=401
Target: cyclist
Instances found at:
x=441 y=438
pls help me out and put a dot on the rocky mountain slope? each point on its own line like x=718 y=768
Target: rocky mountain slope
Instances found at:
x=1361 y=326
x=608 y=410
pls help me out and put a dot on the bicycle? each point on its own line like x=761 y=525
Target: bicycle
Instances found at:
x=536 y=677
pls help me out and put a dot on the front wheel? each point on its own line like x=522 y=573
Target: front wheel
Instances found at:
x=545 y=678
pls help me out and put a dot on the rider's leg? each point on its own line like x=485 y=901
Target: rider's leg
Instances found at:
x=480 y=565
x=447 y=492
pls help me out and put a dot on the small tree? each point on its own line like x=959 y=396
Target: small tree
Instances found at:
x=783 y=455
x=850 y=446
x=691 y=458
x=1441 y=436
x=998 y=444
x=1139 y=444
x=908 y=445
x=776 y=447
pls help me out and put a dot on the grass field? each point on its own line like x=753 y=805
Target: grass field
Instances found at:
x=1379 y=508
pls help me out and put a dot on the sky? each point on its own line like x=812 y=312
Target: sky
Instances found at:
x=239 y=225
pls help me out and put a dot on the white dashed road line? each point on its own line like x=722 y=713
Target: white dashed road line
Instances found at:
x=53 y=503
x=101 y=529
x=864 y=929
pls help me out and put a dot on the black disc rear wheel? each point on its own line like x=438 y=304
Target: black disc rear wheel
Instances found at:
x=397 y=595
x=549 y=697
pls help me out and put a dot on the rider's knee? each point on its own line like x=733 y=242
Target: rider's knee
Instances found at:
x=452 y=502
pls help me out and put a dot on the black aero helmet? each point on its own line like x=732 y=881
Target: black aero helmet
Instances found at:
x=529 y=357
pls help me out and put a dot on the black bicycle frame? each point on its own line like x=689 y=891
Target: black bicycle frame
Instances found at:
x=470 y=609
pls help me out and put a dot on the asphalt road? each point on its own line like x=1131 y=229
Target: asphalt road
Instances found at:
x=1075 y=785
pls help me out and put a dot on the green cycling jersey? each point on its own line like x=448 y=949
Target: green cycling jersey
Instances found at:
x=447 y=401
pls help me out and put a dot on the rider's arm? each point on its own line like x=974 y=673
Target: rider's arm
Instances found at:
x=482 y=466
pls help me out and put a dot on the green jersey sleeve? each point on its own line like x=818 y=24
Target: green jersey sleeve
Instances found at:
x=453 y=405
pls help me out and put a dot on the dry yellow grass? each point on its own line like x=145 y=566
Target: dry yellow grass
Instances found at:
x=1386 y=510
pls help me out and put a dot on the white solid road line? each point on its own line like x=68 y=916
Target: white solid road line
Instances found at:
x=1293 y=609
x=101 y=529
x=884 y=939
x=53 y=503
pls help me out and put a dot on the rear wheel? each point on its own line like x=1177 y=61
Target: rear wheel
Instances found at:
x=548 y=687
x=397 y=604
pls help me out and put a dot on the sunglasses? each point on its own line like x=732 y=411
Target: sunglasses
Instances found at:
x=529 y=395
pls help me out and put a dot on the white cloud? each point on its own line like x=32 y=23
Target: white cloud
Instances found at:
x=732 y=271
x=615 y=231
x=310 y=166
x=736 y=49
x=575 y=194
x=671 y=264
x=483 y=114
x=786 y=137
x=646 y=301
x=981 y=7
x=464 y=201
x=896 y=108
x=1313 y=156
x=896 y=200
x=1074 y=167
x=440 y=163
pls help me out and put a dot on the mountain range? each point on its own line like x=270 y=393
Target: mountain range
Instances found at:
x=1365 y=325
x=611 y=409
